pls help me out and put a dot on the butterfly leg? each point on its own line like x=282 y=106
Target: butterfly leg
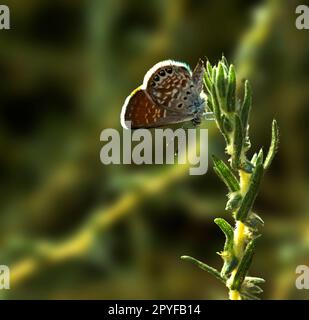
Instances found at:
x=196 y=121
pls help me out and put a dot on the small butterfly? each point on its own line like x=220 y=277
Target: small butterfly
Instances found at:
x=170 y=93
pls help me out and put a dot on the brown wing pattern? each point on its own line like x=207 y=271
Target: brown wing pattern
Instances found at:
x=170 y=94
x=142 y=112
x=167 y=85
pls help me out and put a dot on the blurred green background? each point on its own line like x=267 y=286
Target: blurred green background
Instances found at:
x=72 y=228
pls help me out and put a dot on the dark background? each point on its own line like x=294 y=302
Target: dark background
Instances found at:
x=71 y=227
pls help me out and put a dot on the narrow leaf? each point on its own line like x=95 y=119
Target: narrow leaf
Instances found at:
x=228 y=231
x=231 y=91
x=207 y=82
x=254 y=221
x=248 y=296
x=273 y=146
x=247 y=143
x=253 y=159
x=216 y=107
x=209 y=69
x=220 y=82
x=245 y=110
x=260 y=157
x=234 y=201
x=255 y=280
x=214 y=75
x=254 y=289
x=250 y=288
x=229 y=266
x=237 y=143
x=204 y=267
x=244 y=265
x=225 y=174
x=251 y=194
x=227 y=125
x=209 y=105
x=224 y=61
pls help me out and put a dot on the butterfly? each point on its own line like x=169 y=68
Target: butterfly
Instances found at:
x=170 y=93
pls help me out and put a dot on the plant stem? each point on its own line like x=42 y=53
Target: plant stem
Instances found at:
x=244 y=181
x=234 y=295
x=239 y=234
x=232 y=120
x=239 y=241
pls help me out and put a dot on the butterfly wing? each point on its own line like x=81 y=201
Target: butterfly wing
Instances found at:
x=140 y=111
x=172 y=86
x=170 y=94
x=198 y=74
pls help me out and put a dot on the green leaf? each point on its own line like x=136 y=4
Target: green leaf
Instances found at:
x=254 y=289
x=234 y=201
x=249 y=198
x=253 y=159
x=273 y=146
x=230 y=261
x=227 y=125
x=216 y=107
x=214 y=75
x=255 y=280
x=224 y=61
x=207 y=82
x=204 y=267
x=247 y=143
x=209 y=69
x=246 y=107
x=209 y=105
x=254 y=221
x=260 y=157
x=237 y=143
x=225 y=174
x=229 y=233
x=231 y=91
x=250 y=288
x=244 y=265
x=221 y=86
x=248 y=296
x=229 y=266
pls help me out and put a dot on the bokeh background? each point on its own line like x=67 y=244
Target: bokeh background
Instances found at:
x=72 y=228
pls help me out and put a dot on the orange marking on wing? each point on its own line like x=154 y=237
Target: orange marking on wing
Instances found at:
x=142 y=112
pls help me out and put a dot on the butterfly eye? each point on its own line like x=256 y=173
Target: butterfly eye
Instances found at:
x=162 y=73
x=169 y=70
x=179 y=105
x=156 y=78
